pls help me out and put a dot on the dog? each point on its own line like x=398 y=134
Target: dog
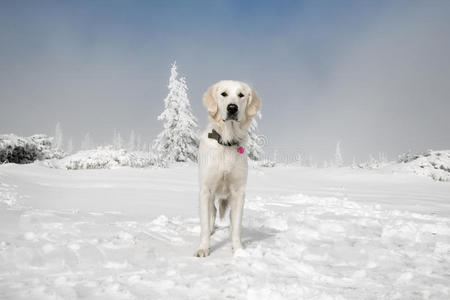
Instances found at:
x=222 y=158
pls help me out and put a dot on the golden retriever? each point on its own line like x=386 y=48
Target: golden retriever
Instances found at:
x=223 y=159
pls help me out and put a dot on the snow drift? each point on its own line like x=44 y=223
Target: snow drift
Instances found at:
x=308 y=233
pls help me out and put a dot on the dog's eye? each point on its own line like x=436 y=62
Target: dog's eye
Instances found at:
x=241 y=95
x=224 y=94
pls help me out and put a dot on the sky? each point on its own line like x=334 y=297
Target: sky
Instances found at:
x=374 y=75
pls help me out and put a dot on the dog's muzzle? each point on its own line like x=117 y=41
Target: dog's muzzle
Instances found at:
x=232 y=110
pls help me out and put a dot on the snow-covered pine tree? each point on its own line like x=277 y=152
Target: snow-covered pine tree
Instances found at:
x=117 y=140
x=69 y=149
x=298 y=159
x=372 y=163
x=139 y=142
x=338 y=161
x=58 y=141
x=86 y=144
x=179 y=139
x=275 y=156
x=310 y=162
x=132 y=141
x=382 y=158
x=254 y=148
x=354 y=164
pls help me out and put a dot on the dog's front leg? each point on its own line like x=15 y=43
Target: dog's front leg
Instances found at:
x=237 y=206
x=206 y=197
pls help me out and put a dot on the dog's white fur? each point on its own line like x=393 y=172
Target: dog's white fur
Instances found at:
x=222 y=169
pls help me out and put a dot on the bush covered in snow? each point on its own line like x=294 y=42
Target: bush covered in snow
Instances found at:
x=266 y=163
x=263 y=163
x=46 y=147
x=373 y=163
x=106 y=158
x=435 y=164
x=22 y=150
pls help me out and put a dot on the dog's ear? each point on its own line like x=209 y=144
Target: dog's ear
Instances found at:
x=253 y=105
x=210 y=101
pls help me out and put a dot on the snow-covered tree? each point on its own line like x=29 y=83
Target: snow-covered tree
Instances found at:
x=338 y=161
x=275 y=156
x=58 y=142
x=139 y=142
x=311 y=162
x=254 y=148
x=179 y=139
x=372 y=159
x=147 y=147
x=69 y=148
x=86 y=143
x=117 y=140
x=372 y=163
x=298 y=159
x=382 y=158
x=131 y=141
x=354 y=164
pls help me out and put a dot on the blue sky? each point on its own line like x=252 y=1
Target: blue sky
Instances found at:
x=372 y=74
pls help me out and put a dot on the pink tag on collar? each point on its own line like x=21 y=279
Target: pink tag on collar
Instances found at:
x=240 y=150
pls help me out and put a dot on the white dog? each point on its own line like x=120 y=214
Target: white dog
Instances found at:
x=223 y=157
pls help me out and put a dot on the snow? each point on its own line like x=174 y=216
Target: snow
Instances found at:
x=128 y=233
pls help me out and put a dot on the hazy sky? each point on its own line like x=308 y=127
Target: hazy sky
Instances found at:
x=372 y=74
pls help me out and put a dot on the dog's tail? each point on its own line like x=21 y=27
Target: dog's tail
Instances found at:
x=223 y=205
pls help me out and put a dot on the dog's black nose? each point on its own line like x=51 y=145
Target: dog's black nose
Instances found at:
x=232 y=108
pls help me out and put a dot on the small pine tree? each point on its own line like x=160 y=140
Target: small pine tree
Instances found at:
x=117 y=140
x=139 y=142
x=131 y=141
x=382 y=158
x=86 y=144
x=147 y=147
x=354 y=164
x=254 y=150
x=338 y=161
x=70 y=146
x=114 y=138
x=58 y=142
x=179 y=139
x=372 y=163
x=275 y=156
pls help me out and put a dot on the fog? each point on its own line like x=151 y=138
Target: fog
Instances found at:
x=374 y=76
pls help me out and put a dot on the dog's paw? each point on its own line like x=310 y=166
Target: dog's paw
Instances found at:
x=237 y=247
x=202 y=253
x=240 y=253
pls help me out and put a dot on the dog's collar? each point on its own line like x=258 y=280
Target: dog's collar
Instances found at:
x=216 y=136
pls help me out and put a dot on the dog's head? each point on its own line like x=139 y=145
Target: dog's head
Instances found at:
x=230 y=100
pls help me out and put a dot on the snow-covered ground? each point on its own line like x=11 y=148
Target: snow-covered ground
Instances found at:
x=308 y=234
